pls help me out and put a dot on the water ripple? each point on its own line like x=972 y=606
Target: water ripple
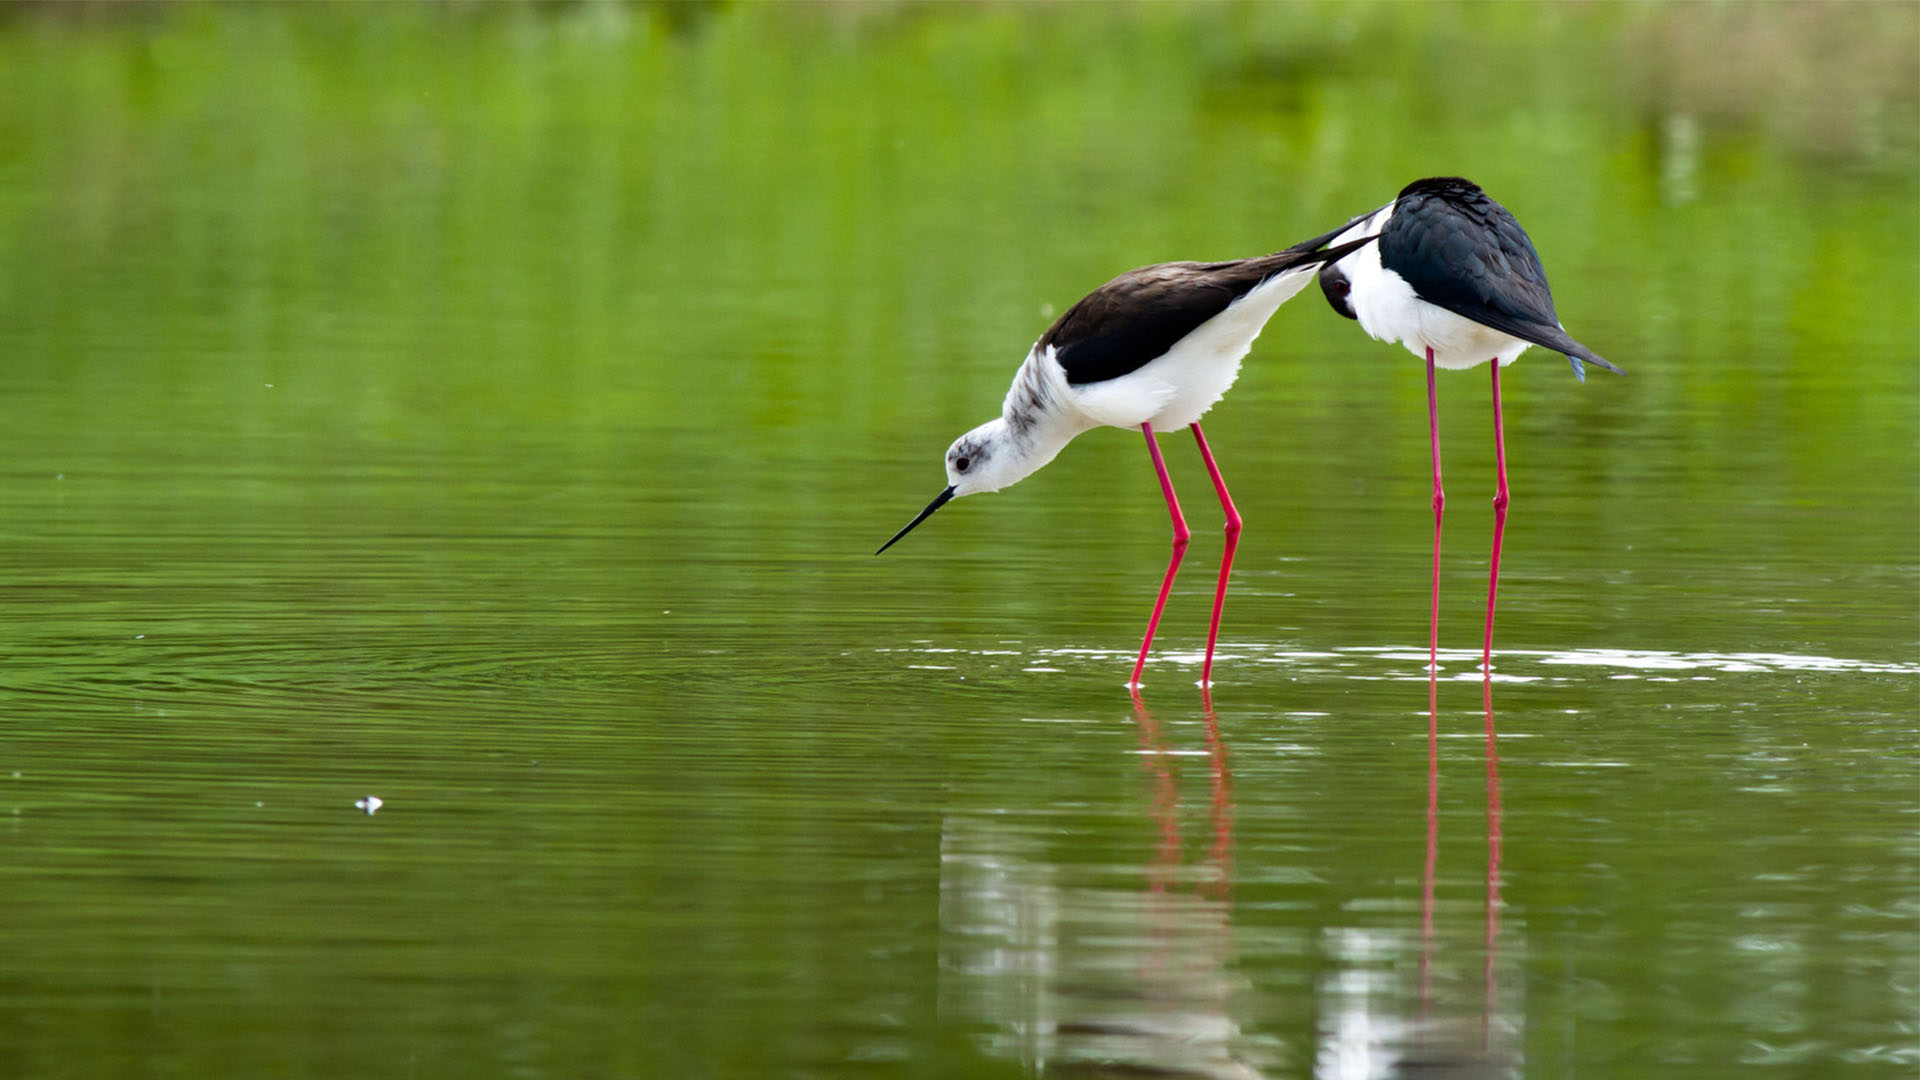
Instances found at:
x=1377 y=662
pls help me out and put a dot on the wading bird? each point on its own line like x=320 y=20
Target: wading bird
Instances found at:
x=1455 y=278
x=1154 y=348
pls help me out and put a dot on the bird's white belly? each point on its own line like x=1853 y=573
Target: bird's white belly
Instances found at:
x=1392 y=313
x=1179 y=387
x=1194 y=379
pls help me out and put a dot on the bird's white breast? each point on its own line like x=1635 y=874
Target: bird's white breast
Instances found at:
x=1179 y=387
x=1389 y=310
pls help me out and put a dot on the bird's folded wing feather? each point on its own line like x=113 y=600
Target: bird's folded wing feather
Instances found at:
x=1477 y=263
x=1135 y=318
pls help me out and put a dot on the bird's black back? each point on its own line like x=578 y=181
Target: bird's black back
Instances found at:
x=1462 y=251
x=1134 y=319
x=1459 y=250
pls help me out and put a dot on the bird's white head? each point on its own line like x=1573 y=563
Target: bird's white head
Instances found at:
x=988 y=458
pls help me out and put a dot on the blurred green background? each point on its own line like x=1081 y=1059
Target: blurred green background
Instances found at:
x=494 y=407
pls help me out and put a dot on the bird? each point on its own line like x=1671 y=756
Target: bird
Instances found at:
x=1454 y=278
x=1153 y=349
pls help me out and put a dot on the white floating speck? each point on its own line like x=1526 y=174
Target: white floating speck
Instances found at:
x=370 y=804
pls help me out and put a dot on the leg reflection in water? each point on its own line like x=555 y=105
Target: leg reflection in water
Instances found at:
x=1076 y=980
x=1448 y=1018
x=1490 y=972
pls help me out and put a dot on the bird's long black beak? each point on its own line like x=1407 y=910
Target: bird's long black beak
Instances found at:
x=1335 y=254
x=939 y=501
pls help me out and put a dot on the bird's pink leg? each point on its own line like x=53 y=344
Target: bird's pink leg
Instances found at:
x=1226 y=560
x=1439 y=504
x=1499 y=519
x=1180 y=538
x=1433 y=703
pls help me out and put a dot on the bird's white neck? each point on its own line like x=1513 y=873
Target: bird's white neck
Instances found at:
x=1036 y=421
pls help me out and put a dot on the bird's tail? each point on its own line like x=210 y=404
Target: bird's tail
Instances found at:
x=1577 y=354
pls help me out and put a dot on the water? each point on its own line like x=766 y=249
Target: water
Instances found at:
x=494 y=411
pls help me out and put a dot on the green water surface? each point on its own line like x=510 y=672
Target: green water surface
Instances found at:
x=494 y=409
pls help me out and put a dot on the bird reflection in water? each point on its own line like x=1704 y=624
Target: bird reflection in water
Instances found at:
x=1097 y=982
x=1490 y=971
x=1093 y=982
x=1443 y=1040
x=1215 y=879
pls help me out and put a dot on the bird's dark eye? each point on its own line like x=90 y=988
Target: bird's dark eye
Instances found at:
x=1338 y=289
x=960 y=464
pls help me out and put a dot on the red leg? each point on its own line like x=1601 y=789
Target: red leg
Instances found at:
x=1499 y=519
x=1226 y=560
x=1180 y=537
x=1433 y=703
x=1439 y=504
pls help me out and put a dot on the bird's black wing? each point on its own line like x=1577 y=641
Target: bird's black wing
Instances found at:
x=1134 y=319
x=1460 y=250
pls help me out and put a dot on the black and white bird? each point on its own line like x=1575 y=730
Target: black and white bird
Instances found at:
x=1154 y=348
x=1454 y=278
